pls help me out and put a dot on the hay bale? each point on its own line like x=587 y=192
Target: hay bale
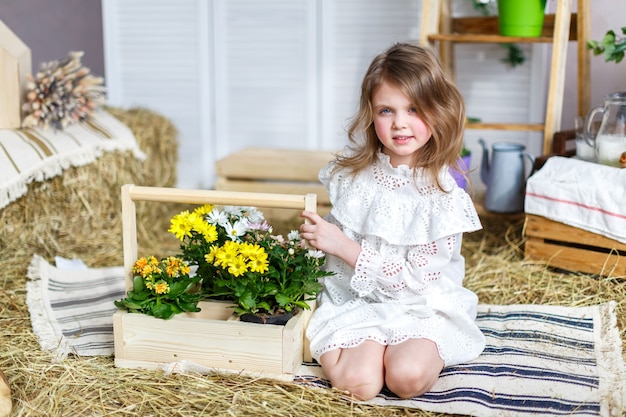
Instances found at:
x=78 y=213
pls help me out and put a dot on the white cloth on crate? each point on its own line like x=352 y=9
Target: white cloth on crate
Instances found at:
x=579 y=193
x=408 y=278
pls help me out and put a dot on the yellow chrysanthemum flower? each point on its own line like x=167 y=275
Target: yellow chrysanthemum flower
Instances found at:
x=180 y=226
x=258 y=262
x=161 y=287
x=248 y=250
x=210 y=257
x=207 y=230
x=226 y=254
x=204 y=209
x=237 y=267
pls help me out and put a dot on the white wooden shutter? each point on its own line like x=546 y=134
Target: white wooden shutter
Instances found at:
x=353 y=32
x=265 y=74
x=156 y=57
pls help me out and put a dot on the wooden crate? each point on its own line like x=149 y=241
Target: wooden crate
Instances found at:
x=213 y=337
x=284 y=171
x=15 y=65
x=573 y=249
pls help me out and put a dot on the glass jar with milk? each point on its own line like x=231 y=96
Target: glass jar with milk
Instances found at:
x=610 y=140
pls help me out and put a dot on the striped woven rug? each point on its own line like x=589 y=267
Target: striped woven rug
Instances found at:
x=539 y=360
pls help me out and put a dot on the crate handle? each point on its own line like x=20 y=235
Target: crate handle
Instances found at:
x=132 y=193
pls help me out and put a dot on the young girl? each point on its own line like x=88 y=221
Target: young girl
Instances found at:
x=395 y=312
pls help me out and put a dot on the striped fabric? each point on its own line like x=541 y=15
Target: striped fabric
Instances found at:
x=28 y=155
x=539 y=360
x=71 y=309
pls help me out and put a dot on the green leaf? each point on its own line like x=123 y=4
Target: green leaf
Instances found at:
x=163 y=311
x=247 y=300
x=176 y=289
x=282 y=299
x=138 y=284
x=130 y=304
x=609 y=38
x=264 y=305
x=189 y=306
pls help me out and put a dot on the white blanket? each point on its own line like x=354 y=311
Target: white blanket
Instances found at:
x=28 y=155
x=582 y=194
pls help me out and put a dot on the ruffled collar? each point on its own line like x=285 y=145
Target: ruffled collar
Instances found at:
x=399 y=205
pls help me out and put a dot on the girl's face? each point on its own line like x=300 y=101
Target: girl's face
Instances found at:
x=397 y=125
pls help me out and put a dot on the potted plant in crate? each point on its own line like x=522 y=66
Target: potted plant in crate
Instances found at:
x=238 y=259
x=232 y=255
x=161 y=288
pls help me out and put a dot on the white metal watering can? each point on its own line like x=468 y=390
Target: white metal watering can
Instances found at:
x=504 y=176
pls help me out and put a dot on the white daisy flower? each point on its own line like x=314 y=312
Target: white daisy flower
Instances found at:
x=237 y=229
x=217 y=217
x=315 y=254
x=255 y=216
x=293 y=235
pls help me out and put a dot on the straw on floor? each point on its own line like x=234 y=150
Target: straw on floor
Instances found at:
x=548 y=360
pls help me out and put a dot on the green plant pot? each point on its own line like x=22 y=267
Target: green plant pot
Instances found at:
x=523 y=18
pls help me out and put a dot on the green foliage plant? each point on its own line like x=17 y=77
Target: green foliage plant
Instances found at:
x=611 y=46
x=161 y=288
x=239 y=259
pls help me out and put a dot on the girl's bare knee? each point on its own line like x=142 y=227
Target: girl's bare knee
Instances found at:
x=408 y=383
x=362 y=385
x=358 y=370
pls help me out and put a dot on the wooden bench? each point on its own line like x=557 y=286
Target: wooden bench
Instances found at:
x=282 y=171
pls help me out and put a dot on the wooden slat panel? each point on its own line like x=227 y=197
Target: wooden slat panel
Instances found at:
x=506 y=126
x=286 y=187
x=540 y=227
x=488 y=25
x=143 y=341
x=571 y=248
x=273 y=164
x=482 y=38
x=575 y=259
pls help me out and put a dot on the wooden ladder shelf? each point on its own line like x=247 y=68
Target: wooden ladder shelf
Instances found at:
x=439 y=26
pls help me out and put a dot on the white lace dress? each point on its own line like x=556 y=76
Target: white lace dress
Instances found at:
x=407 y=282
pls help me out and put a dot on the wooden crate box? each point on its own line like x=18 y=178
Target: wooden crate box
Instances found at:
x=213 y=337
x=573 y=249
x=15 y=65
x=285 y=171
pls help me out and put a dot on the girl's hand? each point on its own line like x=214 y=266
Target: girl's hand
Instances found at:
x=328 y=238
